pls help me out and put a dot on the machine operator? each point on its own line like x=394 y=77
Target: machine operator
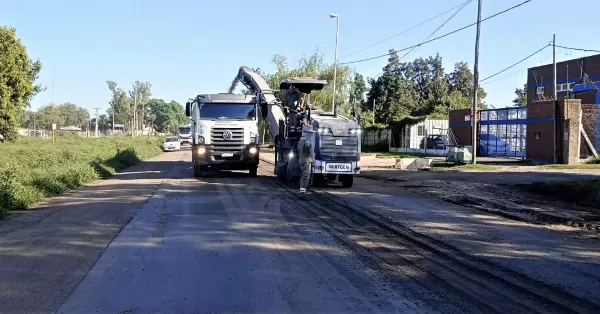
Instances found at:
x=306 y=155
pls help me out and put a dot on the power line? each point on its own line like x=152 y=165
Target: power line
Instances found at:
x=432 y=33
x=515 y=64
x=439 y=37
x=578 y=49
x=406 y=30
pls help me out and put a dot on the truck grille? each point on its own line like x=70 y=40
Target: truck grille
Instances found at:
x=347 y=151
x=234 y=144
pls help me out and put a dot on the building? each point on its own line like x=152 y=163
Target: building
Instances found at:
x=574 y=78
x=414 y=134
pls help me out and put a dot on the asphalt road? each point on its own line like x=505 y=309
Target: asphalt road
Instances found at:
x=155 y=239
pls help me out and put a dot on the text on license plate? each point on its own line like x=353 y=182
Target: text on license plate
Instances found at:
x=344 y=167
x=227 y=154
x=338 y=142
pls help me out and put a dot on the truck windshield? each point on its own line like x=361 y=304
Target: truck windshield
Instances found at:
x=185 y=130
x=228 y=111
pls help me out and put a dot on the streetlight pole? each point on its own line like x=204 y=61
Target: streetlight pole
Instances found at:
x=335 y=63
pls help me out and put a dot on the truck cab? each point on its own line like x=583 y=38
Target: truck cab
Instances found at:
x=184 y=133
x=224 y=132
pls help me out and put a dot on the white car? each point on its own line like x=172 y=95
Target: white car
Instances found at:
x=171 y=143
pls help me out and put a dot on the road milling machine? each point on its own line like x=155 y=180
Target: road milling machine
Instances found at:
x=336 y=139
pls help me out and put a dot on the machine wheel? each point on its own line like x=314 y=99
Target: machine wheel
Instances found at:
x=318 y=179
x=347 y=180
x=197 y=171
x=282 y=173
x=253 y=171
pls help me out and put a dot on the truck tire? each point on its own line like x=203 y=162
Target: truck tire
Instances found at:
x=253 y=171
x=347 y=180
x=197 y=171
x=282 y=173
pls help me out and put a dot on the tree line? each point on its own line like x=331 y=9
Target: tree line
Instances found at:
x=404 y=90
x=18 y=75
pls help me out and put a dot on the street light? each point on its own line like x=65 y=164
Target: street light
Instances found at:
x=337 y=35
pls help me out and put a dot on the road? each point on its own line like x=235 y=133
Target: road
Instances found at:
x=155 y=239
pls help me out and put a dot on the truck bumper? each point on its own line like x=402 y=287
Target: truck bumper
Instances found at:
x=336 y=167
x=247 y=158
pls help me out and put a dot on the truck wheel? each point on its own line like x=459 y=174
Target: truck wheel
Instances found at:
x=253 y=171
x=347 y=181
x=282 y=173
x=197 y=171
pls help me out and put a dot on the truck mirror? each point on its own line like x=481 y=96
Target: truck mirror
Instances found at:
x=187 y=109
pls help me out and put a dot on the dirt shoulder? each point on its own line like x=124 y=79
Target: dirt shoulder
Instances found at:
x=503 y=190
x=55 y=245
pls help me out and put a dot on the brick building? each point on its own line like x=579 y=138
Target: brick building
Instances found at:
x=574 y=79
x=529 y=132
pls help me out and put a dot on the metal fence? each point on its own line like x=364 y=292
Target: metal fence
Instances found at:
x=590 y=120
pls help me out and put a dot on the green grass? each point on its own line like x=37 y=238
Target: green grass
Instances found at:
x=447 y=166
x=402 y=155
x=579 y=166
x=579 y=192
x=32 y=169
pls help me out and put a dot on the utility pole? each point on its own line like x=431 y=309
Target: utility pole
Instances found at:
x=335 y=64
x=373 y=112
x=113 y=123
x=96 y=129
x=554 y=97
x=475 y=87
x=134 y=110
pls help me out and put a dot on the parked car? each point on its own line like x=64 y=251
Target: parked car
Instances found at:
x=171 y=143
x=491 y=145
x=434 y=141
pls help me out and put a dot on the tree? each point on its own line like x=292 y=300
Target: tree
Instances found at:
x=18 y=74
x=120 y=104
x=357 y=95
x=521 y=96
x=140 y=94
x=314 y=66
x=66 y=114
x=462 y=80
x=167 y=116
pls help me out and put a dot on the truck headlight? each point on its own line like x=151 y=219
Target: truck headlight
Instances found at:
x=200 y=139
x=355 y=131
x=253 y=150
x=325 y=130
x=201 y=150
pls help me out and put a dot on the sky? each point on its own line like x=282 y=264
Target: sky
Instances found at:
x=187 y=47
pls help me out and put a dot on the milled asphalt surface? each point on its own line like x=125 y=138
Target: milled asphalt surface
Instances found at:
x=155 y=239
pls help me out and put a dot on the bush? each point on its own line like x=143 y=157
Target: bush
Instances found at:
x=31 y=168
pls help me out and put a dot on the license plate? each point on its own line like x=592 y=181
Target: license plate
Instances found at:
x=338 y=167
x=227 y=154
x=338 y=142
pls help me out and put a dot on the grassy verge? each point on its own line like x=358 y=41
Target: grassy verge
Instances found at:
x=448 y=166
x=402 y=155
x=578 y=192
x=579 y=166
x=32 y=169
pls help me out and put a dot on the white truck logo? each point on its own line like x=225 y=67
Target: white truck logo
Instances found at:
x=227 y=135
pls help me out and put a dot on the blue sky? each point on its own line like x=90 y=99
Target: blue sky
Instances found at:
x=186 y=47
